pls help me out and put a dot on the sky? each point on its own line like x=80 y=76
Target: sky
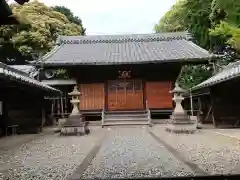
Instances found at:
x=116 y=16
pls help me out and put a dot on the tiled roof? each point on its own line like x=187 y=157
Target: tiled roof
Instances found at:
x=124 y=49
x=231 y=71
x=7 y=71
x=29 y=69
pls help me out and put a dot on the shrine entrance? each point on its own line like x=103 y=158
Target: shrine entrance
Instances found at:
x=125 y=95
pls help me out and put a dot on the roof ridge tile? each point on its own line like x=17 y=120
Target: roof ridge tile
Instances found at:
x=227 y=73
x=83 y=41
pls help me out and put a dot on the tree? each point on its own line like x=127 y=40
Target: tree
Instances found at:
x=214 y=25
x=44 y=25
x=188 y=15
x=228 y=32
x=73 y=19
x=193 y=75
x=225 y=20
x=172 y=21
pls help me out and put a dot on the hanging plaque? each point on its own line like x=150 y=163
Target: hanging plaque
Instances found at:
x=124 y=74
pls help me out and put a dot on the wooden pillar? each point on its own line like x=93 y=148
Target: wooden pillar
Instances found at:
x=62 y=111
x=52 y=110
x=212 y=108
x=191 y=101
x=199 y=103
x=58 y=106
x=43 y=117
x=66 y=103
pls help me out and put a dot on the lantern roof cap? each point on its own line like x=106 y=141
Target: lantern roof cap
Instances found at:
x=178 y=89
x=75 y=92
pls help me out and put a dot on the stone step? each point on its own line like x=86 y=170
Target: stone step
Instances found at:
x=126 y=112
x=120 y=123
x=160 y=121
x=126 y=115
x=95 y=123
x=126 y=119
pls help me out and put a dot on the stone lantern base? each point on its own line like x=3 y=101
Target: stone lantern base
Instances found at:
x=75 y=126
x=186 y=128
x=181 y=123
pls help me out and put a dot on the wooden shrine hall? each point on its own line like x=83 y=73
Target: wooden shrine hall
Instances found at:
x=119 y=74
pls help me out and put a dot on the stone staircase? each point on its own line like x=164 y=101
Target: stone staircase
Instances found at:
x=126 y=118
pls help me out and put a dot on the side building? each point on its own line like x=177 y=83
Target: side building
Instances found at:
x=119 y=73
x=23 y=108
x=218 y=97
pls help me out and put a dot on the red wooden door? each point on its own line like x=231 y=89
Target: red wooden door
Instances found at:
x=158 y=96
x=125 y=95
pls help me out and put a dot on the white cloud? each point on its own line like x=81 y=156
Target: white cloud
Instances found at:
x=116 y=16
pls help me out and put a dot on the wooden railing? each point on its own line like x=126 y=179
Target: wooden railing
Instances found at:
x=148 y=112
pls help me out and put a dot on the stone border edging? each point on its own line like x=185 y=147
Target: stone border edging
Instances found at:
x=87 y=160
x=226 y=135
x=198 y=171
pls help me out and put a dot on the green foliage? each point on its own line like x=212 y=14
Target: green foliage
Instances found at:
x=172 y=21
x=190 y=15
x=73 y=19
x=217 y=14
x=232 y=10
x=192 y=75
x=225 y=18
x=214 y=24
x=229 y=32
x=45 y=25
x=196 y=20
x=62 y=74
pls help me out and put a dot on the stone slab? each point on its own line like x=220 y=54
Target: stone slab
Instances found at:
x=181 y=128
x=71 y=131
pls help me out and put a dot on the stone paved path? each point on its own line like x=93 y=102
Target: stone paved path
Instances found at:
x=124 y=152
x=210 y=151
x=133 y=152
x=51 y=157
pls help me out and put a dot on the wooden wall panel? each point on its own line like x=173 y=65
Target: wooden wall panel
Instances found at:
x=158 y=96
x=92 y=97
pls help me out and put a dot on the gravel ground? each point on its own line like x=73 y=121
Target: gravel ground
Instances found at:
x=47 y=158
x=213 y=153
x=132 y=152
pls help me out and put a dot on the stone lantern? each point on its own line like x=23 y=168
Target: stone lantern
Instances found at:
x=75 y=124
x=75 y=102
x=180 y=122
